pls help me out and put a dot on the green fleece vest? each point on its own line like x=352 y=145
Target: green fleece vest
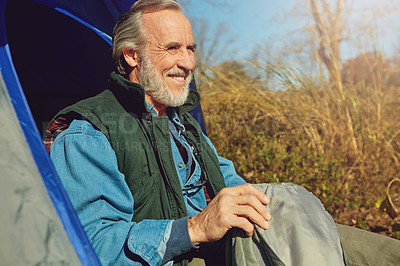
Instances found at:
x=142 y=146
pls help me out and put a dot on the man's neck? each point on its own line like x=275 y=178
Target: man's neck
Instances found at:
x=159 y=107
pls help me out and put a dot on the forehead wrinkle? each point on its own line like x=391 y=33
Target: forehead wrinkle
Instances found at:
x=158 y=22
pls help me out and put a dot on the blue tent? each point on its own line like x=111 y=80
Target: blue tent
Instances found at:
x=52 y=53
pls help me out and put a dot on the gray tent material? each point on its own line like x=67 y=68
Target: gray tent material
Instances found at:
x=302 y=232
x=31 y=231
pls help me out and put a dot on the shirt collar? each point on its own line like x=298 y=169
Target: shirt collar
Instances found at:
x=150 y=108
x=174 y=117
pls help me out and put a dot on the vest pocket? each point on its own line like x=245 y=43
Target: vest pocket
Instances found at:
x=141 y=195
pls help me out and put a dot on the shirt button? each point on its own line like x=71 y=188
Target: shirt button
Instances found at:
x=180 y=165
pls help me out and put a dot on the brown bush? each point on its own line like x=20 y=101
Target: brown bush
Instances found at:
x=343 y=145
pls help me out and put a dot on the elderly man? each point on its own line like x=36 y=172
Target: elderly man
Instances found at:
x=134 y=162
x=148 y=186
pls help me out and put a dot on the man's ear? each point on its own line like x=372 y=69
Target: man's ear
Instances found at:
x=131 y=57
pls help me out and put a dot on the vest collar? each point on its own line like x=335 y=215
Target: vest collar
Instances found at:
x=132 y=95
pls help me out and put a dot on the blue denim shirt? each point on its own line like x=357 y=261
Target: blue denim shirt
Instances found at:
x=82 y=155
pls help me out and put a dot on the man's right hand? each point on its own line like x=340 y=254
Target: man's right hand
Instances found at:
x=239 y=207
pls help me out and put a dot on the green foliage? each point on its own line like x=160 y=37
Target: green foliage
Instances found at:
x=341 y=141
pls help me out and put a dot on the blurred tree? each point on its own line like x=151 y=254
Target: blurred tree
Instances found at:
x=328 y=35
x=211 y=41
x=368 y=67
x=337 y=30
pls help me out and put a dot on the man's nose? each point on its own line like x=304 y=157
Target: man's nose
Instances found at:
x=187 y=60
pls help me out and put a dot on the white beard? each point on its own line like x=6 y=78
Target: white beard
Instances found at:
x=156 y=87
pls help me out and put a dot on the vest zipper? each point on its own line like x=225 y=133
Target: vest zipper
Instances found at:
x=158 y=158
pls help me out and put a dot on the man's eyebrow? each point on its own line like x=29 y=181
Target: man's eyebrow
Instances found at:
x=193 y=45
x=172 y=44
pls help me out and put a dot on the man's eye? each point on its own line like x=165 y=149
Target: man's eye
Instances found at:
x=172 y=48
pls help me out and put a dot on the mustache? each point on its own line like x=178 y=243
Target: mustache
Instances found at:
x=179 y=72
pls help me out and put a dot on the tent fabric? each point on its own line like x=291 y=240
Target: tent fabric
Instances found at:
x=31 y=232
x=61 y=204
x=66 y=61
x=302 y=232
x=100 y=14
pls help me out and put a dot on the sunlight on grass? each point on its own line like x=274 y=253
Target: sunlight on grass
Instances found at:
x=340 y=141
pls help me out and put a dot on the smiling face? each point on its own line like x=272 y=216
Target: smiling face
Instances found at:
x=168 y=61
x=157 y=91
x=170 y=46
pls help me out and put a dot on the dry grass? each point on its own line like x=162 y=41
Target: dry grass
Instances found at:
x=341 y=141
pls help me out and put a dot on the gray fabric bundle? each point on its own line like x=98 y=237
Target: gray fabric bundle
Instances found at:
x=301 y=233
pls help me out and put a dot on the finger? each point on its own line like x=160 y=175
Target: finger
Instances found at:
x=253 y=201
x=251 y=214
x=250 y=189
x=244 y=224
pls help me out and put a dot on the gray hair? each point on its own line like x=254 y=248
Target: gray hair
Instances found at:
x=129 y=31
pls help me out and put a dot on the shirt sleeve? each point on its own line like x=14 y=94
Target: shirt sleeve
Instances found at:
x=88 y=169
x=231 y=178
